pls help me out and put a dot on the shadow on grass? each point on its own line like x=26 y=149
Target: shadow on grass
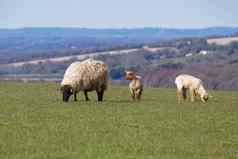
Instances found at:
x=94 y=101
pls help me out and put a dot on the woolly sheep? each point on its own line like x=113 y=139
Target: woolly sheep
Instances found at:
x=186 y=82
x=135 y=86
x=85 y=76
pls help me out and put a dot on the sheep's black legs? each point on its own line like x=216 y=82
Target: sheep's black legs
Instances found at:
x=75 y=96
x=86 y=95
x=100 y=95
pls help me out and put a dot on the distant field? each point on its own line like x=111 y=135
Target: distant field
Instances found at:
x=35 y=124
x=222 y=41
x=68 y=58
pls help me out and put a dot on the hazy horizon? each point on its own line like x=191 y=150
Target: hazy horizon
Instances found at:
x=103 y=14
x=101 y=28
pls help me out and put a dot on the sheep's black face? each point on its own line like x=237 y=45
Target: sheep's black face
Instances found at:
x=67 y=91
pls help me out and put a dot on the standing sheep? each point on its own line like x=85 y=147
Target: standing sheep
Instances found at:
x=186 y=82
x=85 y=76
x=135 y=85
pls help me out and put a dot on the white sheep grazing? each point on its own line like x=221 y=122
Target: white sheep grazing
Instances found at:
x=85 y=76
x=186 y=82
x=135 y=86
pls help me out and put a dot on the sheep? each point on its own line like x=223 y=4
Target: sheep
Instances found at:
x=135 y=86
x=186 y=82
x=88 y=75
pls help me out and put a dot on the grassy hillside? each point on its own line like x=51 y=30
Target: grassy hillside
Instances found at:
x=35 y=123
x=222 y=41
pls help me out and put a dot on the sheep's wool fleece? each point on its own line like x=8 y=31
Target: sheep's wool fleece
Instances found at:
x=187 y=81
x=136 y=83
x=86 y=75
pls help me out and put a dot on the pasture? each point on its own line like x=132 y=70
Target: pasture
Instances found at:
x=36 y=124
x=222 y=41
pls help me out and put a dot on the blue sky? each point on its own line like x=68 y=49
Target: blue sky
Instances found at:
x=118 y=13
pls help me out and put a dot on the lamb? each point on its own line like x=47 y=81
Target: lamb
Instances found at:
x=135 y=86
x=88 y=75
x=186 y=82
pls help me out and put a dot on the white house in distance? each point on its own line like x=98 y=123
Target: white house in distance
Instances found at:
x=203 y=52
x=188 y=55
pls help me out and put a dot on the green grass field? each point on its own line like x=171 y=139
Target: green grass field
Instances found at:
x=36 y=124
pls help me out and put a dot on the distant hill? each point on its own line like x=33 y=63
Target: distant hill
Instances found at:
x=158 y=63
x=161 y=33
x=50 y=42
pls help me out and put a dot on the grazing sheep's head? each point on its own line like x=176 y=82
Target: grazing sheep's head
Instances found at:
x=205 y=98
x=129 y=75
x=67 y=91
x=203 y=94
